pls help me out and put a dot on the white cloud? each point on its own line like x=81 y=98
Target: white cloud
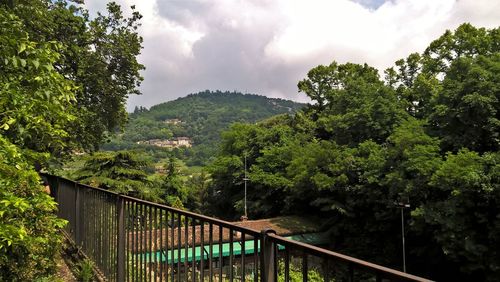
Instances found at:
x=267 y=46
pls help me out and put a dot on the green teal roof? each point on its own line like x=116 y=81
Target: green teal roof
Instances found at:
x=172 y=256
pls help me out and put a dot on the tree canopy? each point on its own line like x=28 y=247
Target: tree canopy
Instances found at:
x=427 y=133
x=64 y=79
x=99 y=56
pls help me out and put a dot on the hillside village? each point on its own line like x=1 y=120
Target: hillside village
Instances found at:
x=176 y=142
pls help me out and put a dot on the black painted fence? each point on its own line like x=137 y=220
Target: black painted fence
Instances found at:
x=130 y=239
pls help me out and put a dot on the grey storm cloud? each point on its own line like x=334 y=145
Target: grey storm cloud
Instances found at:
x=267 y=46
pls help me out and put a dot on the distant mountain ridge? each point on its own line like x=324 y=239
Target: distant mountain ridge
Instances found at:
x=201 y=117
x=268 y=106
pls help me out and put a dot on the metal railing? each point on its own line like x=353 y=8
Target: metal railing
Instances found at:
x=130 y=239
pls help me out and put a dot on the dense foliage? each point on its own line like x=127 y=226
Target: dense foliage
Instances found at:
x=122 y=172
x=29 y=229
x=63 y=83
x=34 y=99
x=134 y=172
x=203 y=116
x=427 y=135
x=98 y=55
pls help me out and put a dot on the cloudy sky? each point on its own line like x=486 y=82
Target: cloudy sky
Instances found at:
x=267 y=46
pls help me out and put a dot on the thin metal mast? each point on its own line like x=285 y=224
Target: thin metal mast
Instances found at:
x=245 y=179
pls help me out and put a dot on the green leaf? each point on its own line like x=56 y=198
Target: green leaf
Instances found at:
x=22 y=47
x=36 y=63
x=14 y=61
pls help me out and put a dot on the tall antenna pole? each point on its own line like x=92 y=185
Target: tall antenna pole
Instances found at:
x=402 y=205
x=245 y=179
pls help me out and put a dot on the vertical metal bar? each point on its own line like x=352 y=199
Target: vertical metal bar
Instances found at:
x=100 y=224
x=304 y=267
x=351 y=272
x=210 y=244
x=134 y=241
x=186 y=248
x=267 y=265
x=255 y=259
x=99 y=230
x=179 y=239
x=162 y=249
x=168 y=250
x=287 y=264
x=193 y=261
x=129 y=231
x=138 y=242
x=137 y=224
x=221 y=254
x=155 y=249
x=121 y=240
x=231 y=242
x=90 y=222
x=78 y=229
x=172 y=220
x=141 y=242
x=105 y=235
x=86 y=224
x=113 y=234
x=326 y=269
x=107 y=228
x=146 y=252
x=275 y=261
x=110 y=249
x=167 y=247
x=94 y=227
x=242 y=256
x=150 y=225
x=202 y=251
x=127 y=241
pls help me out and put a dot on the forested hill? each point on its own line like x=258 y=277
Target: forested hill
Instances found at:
x=202 y=117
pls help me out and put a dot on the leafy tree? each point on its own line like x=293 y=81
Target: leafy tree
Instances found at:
x=454 y=85
x=64 y=81
x=353 y=104
x=35 y=109
x=466 y=111
x=463 y=213
x=35 y=101
x=29 y=229
x=172 y=187
x=427 y=134
x=99 y=55
x=121 y=171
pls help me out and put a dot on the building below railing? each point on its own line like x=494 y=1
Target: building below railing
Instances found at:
x=135 y=240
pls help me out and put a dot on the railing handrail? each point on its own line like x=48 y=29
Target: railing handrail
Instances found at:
x=385 y=272
x=208 y=219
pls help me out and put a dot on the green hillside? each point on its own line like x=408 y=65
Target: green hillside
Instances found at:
x=202 y=117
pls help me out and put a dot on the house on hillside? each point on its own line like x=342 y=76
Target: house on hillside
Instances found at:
x=165 y=143
x=173 y=121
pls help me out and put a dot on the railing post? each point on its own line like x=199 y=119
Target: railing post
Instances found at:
x=268 y=257
x=120 y=271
